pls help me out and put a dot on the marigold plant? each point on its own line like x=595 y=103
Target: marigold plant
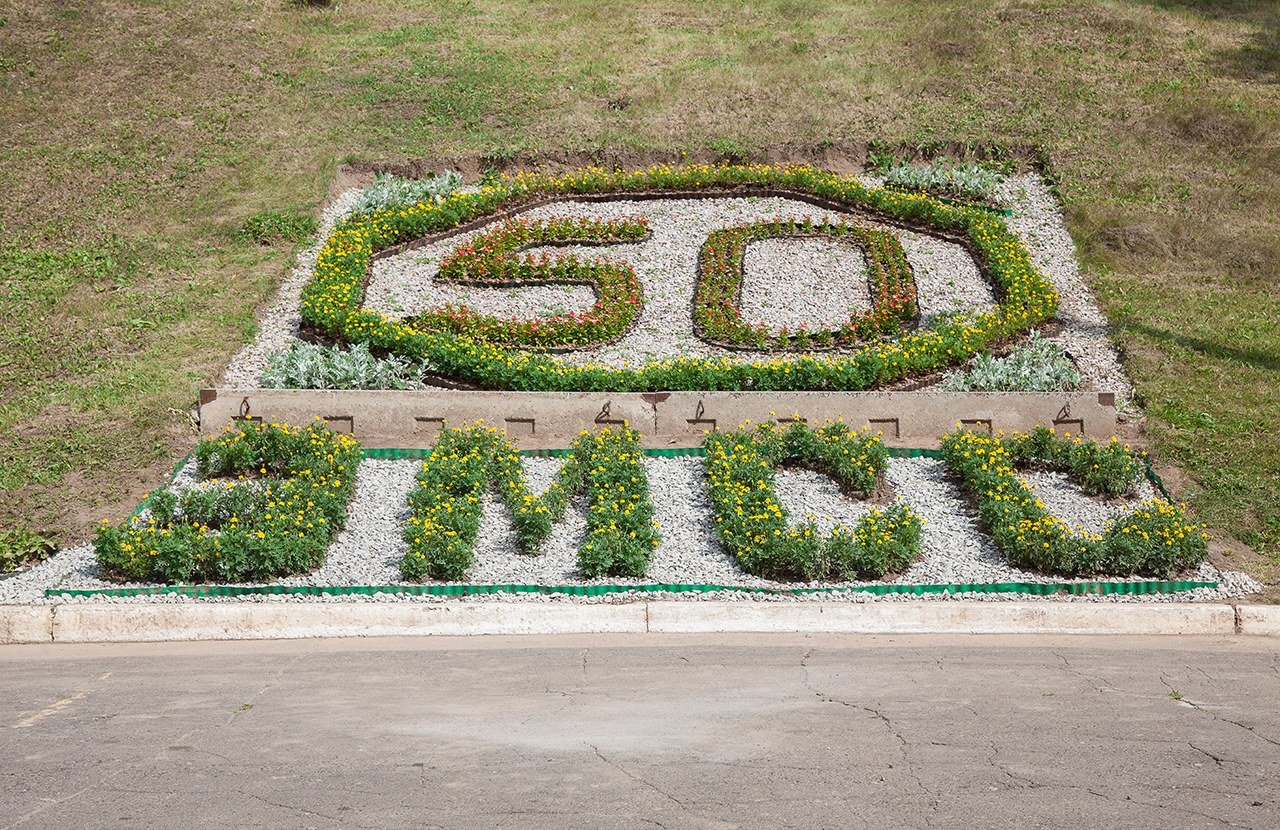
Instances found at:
x=466 y=462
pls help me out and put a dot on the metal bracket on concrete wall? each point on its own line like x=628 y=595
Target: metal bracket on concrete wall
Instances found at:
x=549 y=420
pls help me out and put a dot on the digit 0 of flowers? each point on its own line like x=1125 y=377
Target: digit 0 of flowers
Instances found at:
x=467 y=462
x=1155 y=539
x=331 y=301
x=273 y=498
x=753 y=525
x=717 y=313
x=491 y=259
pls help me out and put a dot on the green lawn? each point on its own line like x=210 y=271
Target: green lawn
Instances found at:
x=137 y=141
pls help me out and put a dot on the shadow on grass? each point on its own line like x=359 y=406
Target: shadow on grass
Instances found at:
x=1259 y=358
x=1258 y=59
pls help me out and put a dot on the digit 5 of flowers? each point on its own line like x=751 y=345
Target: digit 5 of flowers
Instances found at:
x=493 y=259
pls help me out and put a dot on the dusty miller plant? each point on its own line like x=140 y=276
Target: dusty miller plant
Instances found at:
x=1038 y=365
x=309 y=366
x=962 y=181
x=388 y=190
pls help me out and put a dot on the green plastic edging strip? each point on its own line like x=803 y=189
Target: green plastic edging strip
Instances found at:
x=392 y=454
x=1031 y=588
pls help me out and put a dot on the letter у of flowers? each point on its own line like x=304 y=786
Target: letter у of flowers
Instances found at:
x=331 y=301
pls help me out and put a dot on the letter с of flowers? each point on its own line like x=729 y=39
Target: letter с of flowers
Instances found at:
x=753 y=525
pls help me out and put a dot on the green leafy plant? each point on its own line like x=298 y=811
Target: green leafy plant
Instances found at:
x=956 y=180
x=312 y=366
x=331 y=301
x=1038 y=365
x=490 y=259
x=753 y=525
x=273 y=226
x=445 y=505
x=717 y=315
x=19 y=547
x=1156 y=538
x=389 y=192
x=273 y=498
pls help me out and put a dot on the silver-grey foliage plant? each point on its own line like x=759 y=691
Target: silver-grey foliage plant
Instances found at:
x=1038 y=365
x=389 y=190
x=309 y=366
x=959 y=180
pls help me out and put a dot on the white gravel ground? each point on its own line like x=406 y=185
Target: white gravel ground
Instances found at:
x=368 y=550
x=795 y=282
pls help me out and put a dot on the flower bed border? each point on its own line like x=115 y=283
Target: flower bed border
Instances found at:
x=720 y=278
x=332 y=300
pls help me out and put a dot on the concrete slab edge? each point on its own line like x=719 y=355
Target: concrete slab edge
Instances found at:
x=1262 y=620
x=71 y=623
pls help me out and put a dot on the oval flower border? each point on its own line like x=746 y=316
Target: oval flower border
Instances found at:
x=331 y=300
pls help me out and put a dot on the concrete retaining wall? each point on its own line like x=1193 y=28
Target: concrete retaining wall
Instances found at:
x=97 y=623
x=664 y=419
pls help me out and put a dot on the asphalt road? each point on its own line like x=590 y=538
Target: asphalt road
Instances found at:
x=644 y=731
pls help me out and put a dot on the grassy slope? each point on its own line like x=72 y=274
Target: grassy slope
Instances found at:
x=135 y=140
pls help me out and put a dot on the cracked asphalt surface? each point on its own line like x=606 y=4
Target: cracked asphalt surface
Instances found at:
x=767 y=731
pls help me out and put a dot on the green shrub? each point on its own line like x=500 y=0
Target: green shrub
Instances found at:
x=752 y=523
x=1155 y=539
x=311 y=366
x=274 y=497
x=1038 y=365
x=465 y=463
x=273 y=226
x=19 y=547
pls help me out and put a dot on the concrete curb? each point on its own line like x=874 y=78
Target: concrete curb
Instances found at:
x=1263 y=620
x=77 y=623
